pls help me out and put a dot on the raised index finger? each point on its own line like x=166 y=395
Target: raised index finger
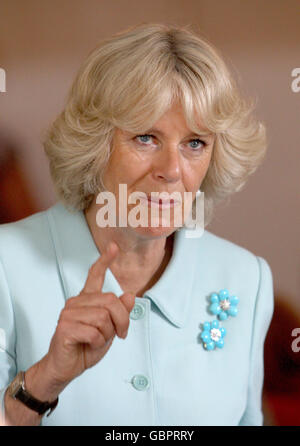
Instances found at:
x=95 y=278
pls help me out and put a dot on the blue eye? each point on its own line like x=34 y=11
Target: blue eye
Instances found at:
x=196 y=146
x=144 y=138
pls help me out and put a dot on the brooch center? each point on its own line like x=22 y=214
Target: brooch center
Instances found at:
x=225 y=304
x=215 y=334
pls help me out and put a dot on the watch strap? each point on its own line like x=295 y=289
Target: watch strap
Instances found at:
x=33 y=403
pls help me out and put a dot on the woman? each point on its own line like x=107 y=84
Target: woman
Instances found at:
x=120 y=323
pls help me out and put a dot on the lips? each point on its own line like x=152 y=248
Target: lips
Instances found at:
x=157 y=201
x=161 y=201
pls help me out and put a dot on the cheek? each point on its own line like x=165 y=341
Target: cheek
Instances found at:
x=125 y=167
x=194 y=174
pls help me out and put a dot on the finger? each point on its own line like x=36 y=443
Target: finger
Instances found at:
x=99 y=299
x=95 y=279
x=119 y=308
x=94 y=316
x=79 y=333
x=118 y=311
x=128 y=300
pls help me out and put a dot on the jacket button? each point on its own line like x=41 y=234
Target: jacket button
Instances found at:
x=138 y=311
x=140 y=382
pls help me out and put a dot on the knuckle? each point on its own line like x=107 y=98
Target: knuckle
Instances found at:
x=62 y=328
x=62 y=315
x=66 y=314
x=71 y=301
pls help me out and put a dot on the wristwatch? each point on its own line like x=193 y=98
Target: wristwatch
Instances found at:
x=18 y=391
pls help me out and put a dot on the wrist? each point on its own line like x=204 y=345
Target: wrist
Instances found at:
x=40 y=384
x=29 y=396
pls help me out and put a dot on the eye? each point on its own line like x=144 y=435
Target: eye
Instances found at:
x=144 y=139
x=197 y=144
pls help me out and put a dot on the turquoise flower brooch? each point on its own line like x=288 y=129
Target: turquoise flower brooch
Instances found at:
x=222 y=305
x=212 y=335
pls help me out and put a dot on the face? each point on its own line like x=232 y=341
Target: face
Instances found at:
x=166 y=158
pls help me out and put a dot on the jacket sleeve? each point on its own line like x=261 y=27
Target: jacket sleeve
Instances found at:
x=8 y=369
x=263 y=312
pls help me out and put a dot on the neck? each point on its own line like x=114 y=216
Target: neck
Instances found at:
x=140 y=262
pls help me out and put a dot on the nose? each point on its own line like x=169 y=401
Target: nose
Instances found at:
x=166 y=166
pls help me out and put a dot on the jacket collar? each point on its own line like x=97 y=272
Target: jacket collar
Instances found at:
x=76 y=251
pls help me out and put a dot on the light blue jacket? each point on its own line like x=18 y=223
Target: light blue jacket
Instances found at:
x=161 y=373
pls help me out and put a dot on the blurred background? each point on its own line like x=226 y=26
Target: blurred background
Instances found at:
x=42 y=44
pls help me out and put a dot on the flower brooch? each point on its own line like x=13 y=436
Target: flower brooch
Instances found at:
x=222 y=305
x=212 y=335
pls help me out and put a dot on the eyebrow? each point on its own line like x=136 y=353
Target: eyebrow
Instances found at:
x=159 y=132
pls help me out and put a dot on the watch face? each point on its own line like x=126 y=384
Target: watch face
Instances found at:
x=16 y=386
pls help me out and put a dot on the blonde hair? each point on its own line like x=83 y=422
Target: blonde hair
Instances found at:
x=129 y=81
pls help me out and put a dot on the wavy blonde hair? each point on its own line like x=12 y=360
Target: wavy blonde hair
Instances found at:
x=129 y=81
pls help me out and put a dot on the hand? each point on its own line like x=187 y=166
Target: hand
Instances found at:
x=87 y=325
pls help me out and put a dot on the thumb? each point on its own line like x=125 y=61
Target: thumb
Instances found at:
x=128 y=300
